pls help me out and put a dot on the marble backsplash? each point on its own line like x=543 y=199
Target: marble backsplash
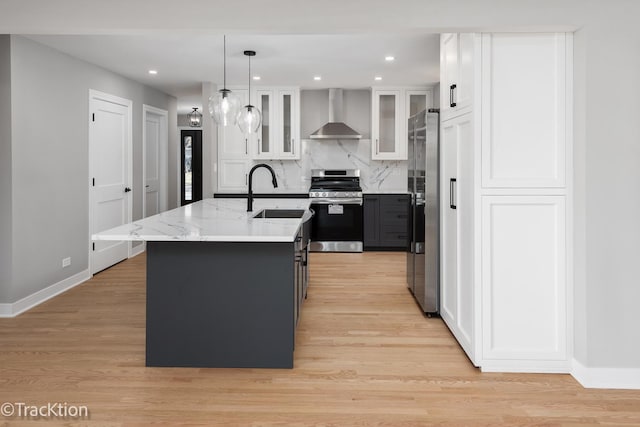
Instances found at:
x=375 y=175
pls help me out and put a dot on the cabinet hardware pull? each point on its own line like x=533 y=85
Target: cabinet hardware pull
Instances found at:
x=452 y=89
x=377 y=146
x=259 y=152
x=293 y=147
x=452 y=195
x=246 y=146
x=246 y=179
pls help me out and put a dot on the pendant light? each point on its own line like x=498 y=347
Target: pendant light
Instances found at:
x=224 y=105
x=195 y=118
x=249 y=117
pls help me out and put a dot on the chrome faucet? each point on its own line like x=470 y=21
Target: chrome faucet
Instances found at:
x=250 y=194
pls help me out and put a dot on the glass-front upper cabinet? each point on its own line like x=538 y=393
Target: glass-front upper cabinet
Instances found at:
x=416 y=101
x=278 y=136
x=265 y=148
x=286 y=134
x=386 y=136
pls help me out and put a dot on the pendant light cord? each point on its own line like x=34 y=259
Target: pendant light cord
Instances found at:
x=249 y=79
x=224 y=61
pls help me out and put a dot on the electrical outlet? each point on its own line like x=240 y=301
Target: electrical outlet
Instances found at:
x=66 y=262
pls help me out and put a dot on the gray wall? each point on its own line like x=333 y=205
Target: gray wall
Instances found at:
x=607 y=178
x=50 y=92
x=314 y=110
x=5 y=168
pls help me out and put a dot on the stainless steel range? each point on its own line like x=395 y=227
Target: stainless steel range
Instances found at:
x=336 y=199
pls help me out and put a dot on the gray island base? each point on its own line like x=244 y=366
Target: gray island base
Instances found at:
x=220 y=304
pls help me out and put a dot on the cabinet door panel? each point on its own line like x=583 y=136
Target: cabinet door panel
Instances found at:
x=264 y=137
x=371 y=221
x=524 y=132
x=286 y=132
x=388 y=129
x=524 y=277
x=464 y=88
x=449 y=229
x=457 y=231
x=387 y=124
x=232 y=174
x=232 y=142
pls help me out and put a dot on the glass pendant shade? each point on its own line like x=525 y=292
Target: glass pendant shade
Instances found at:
x=195 y=118
x=224 y=106
x=249 y=119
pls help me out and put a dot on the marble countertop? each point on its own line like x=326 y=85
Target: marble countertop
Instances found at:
x=213 y=220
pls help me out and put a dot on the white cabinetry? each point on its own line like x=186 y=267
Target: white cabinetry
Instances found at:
x=232 y=143
x=278 y=137
x=232 y=174
x=526 y=196
x=386 y=138
x=234 y=157
x=457 y=74
x=457 y=237
x=524 y=280
x=505 y=248
x=391 y=107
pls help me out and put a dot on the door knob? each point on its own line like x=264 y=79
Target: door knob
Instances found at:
x=127 y=189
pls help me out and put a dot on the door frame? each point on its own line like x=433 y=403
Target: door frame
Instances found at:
x=163 y=150
x=103 y=96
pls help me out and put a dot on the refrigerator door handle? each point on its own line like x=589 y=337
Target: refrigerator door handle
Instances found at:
x=452 y=194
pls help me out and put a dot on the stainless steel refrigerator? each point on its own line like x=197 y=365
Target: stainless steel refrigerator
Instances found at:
x=423 y=255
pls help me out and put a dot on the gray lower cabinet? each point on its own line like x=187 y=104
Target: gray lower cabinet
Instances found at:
x=386 y=221
x=222 y=304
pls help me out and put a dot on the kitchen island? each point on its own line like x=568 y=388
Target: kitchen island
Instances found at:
x=223 y=288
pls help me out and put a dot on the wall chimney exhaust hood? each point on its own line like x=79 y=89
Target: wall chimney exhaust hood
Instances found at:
x=335 y=129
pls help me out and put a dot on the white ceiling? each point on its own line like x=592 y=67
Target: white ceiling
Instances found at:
x=184 y=61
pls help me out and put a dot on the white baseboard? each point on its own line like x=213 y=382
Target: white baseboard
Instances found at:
x=526 y=366
x=28 y=302
x=137 y=250
x=618 y=378
x=5 y=310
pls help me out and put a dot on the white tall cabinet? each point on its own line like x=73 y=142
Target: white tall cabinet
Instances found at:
x=506 y=281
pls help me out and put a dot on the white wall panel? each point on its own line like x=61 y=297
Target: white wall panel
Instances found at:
x=523 y=142
x=524 y=277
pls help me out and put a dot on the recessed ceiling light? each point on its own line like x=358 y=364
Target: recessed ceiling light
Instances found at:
x=389 y=58
x=317 y=78
x=153 y=72
x=378 y=78
x=256 y=77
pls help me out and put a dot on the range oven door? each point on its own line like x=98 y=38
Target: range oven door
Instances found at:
x=337 y=225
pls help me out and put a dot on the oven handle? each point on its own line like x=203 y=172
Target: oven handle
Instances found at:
x=337 y=201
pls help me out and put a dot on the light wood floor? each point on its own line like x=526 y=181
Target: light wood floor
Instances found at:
x=365 y=355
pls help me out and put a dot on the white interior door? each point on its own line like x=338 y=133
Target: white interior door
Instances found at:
x=110 y=168
x=155 y=160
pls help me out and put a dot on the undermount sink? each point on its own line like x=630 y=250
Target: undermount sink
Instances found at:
x=280 y=213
